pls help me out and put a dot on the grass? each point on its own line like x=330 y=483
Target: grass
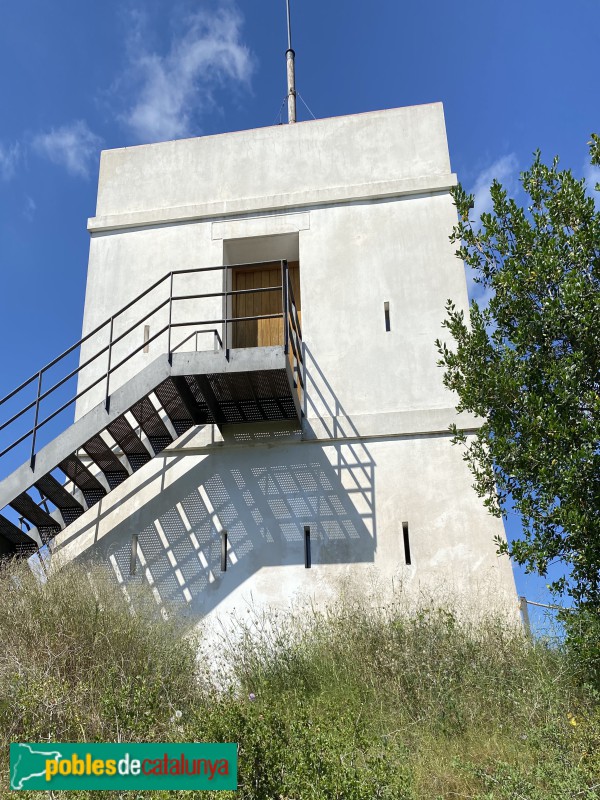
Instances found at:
x=355 y=702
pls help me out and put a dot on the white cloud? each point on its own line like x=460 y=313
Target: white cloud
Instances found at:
x=171 y=90
x=483 y=294
x=503 y=170
x=74 y=147
x=10 y=155
x=30 y=208
x=591 y=173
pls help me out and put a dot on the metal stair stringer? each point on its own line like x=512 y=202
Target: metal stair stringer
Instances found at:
x=83 y=430
x=176 y=384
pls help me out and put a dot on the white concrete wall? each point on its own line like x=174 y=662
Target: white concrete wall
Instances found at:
x=354 y=257
x=355 y=254
x=122 y=265
x=355 y=497
x=310 y=157
x=364 y=202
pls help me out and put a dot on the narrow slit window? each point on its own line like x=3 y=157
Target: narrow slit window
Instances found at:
x=133 y=558
x=146 y=338
x=406 y=543
x=386 y=314
x=223 y=551
x=307 y=558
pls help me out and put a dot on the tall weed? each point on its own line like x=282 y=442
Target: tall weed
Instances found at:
x=362 y=700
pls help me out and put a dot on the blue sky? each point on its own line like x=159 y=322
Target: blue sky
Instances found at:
x=76 y=77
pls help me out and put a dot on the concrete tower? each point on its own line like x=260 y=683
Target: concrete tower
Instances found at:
x=274 y=423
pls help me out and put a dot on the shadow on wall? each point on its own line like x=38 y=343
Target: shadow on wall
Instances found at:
x=263 y=497
x=263 y=485
x=322 y=404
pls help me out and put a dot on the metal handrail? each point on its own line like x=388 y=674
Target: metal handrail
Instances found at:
x=297 y=334
x=83 y=339
x=85 y=364
x=195 y=333
x=295 y=317
x=291 y=333
x=524 y=602
x=122 y=310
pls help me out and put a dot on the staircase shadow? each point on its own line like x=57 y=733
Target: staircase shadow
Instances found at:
x=263 y=496
x=262 y=485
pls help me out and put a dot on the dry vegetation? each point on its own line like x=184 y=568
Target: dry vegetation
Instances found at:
x=354 y=704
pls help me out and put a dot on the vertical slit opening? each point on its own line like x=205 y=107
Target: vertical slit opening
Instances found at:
x=146 y=338
x=307 y=558
x=133 y=558
x=406 y=543
x=223 y=551
x=386 y=313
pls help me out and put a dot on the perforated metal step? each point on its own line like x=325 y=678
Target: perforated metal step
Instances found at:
x=150 y=422
x=129 y=442
x=90 y=486
x=69 y=508
x=170 y=398
x=101 y=454
x=252 y=396
x=23 y=544
x=32 y=512
x=186 y=400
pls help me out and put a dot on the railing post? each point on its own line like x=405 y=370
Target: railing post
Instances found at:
x=285 y=304
x=110 y=338
x=35 y=420
x=525 y=614
x=170 y=319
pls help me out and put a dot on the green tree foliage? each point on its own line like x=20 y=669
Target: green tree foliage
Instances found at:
x=529 y=365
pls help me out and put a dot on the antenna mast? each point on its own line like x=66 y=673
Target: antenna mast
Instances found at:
x=291 y=71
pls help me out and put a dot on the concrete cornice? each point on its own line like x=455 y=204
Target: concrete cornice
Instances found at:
x=253 y=205
x=411 y=424
x=408 y=423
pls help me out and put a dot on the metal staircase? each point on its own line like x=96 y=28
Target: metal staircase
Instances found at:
x=132 y=406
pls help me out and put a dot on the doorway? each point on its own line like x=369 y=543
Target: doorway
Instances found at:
x=261 y=332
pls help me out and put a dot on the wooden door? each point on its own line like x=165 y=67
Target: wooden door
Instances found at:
x=262 y=332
